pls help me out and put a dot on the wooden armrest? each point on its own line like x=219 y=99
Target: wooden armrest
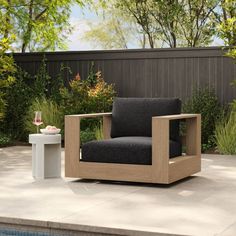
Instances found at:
x=75 y=120
x=92 y=115
x=72 y=138
x=177 y=117
x=161 y=139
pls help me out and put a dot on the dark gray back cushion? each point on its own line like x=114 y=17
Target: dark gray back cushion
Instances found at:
x=133 y=116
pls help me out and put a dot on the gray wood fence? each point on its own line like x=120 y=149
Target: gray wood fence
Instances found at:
x=148 y=72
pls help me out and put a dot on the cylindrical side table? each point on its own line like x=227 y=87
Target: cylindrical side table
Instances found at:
x=46 y=155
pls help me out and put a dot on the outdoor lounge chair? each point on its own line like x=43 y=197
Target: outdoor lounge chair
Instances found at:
x=141 y=143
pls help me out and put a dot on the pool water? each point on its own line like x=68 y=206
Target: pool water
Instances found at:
x=13 y=232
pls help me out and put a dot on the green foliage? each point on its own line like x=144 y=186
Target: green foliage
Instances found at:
x=227 y=24
x=5 y=140
x=99 y=132
x=112 y=30
x=51 y=114
x=173 y=23
x=86 y=136
x=7 y=70
x=196 y=22
x=45 y=85
x=57 y=84
x=39 y=25
x=227 y=32
x=91 y=95
x=92 y=77
x=41 y=92
x=205 y=102
x=225 y=133
x=227 y=28
x=160 y=22
x=141 y=12
x=91 y=133
x=42 y=80
x=18 y=97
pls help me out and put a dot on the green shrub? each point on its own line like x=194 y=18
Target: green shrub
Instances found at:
x=18 y=97
x=41 y=92
x=2 y=105
x=5 y=140
x=99 y=132
x=7 y=63
x=90 y=134
x=225 y=133
x=88 y=96
x=42 y=81
x=51 y=114
x=205 y=102
x=45 y=85
x=7 y=77
x=86 y=136
x=57 y=84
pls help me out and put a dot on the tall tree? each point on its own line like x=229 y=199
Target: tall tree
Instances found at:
x=176 y=22
x=7 y=66
x=39 y=25
x=166 y=14
x=113 y=30
x=107 y=34
x=196 y=24
x=140 y=10
x=226 y=17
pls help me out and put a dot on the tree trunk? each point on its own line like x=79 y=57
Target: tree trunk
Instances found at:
x=150 y=39
x=27 y=35
x=144 y=41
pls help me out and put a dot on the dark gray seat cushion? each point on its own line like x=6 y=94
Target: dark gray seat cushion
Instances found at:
x=133 y=116
x=125 y=150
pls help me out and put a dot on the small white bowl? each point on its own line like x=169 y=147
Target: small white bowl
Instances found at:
x=45 y=131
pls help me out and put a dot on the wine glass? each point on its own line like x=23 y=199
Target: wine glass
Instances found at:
x=37 y=119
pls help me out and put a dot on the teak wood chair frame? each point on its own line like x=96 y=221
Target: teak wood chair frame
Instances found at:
x=163 y=170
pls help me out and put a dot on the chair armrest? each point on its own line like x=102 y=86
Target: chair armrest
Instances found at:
x=69 y=119
x=92 y=115
x=106 y=121
x=161 y=139
x=72 y=139
x=177 y=117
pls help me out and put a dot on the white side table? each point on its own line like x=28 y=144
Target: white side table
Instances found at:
x=46 y=155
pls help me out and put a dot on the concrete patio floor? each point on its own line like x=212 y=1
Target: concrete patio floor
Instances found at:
x=204 y=204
